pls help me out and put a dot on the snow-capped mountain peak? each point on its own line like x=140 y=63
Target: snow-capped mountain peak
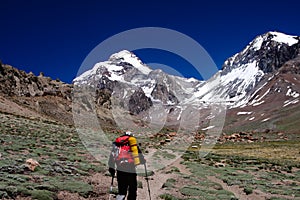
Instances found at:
x=125 y=70
x=275 y=36
x=243 y=71
x=234 y=84
x=266 y=70
x=117 y=68
x=129 y=57
x=284 y=38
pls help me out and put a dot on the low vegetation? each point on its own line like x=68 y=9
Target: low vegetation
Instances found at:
x=230 y=171
x=64 y=161
x=271 y=169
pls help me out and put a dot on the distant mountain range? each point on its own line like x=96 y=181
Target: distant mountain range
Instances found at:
x=259 y=85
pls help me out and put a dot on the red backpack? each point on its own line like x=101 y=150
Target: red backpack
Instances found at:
x=122 y=151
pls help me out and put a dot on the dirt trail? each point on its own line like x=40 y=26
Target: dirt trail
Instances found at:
x=101 y=185
x=157 y=180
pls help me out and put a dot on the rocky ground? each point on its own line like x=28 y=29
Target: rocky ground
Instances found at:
x=260 y=169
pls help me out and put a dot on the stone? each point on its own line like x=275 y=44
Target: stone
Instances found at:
x=31 y=164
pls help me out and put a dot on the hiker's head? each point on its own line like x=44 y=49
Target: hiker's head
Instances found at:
x=129 y=133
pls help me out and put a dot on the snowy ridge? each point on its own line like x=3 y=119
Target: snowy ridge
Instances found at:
x=231 y=88
x=235 y=85
x=125 y=67
x=283 y=38
x=243 y=71
x=113 y=68
x=129 y=57
x=275 y=36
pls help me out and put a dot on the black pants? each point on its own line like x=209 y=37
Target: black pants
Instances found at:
x=127 y=182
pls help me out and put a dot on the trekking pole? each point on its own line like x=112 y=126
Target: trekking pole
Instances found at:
x=111 y=187
x=147 y=181
x=112 y=183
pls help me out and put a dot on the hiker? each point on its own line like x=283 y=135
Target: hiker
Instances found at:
x=126 y=155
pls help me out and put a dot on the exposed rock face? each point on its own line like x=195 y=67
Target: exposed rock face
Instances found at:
x=267 y=70
x=106 y=83
x=271 y=56
x=103 y=98
x=139 y=102
x=242 y=72
x=291 y=67
x=125 y=78
x=104 y=91
x=14 y=82
x=269 y=53
x=161 y=93
x=49 y=98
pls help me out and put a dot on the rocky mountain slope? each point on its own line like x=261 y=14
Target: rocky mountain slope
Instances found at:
x=259 y=86
x=262 y=77
x=238 y=80
x=274 y=104
x=38 y=97
x=125 y=76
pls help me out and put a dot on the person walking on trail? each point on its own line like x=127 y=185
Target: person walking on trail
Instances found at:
x=125 y=156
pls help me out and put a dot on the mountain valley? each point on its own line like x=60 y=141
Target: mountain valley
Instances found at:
x=249 y=111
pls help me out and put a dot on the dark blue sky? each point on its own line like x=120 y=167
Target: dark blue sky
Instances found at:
x=54 y=37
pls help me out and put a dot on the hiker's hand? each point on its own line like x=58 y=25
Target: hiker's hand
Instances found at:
x=112 y=171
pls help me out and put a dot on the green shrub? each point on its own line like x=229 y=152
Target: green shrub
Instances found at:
x=168 y=197
x=191 y=191
x=173 y=169
x=140 y=184
x=248 y=190
x=169 y=183
x=73 y=186
x=42 y=195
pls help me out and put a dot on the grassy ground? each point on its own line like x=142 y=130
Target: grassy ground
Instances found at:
x=64 y=161
x=281 y=152
x=268 y=170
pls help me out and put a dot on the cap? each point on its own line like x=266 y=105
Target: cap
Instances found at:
x=128 y=133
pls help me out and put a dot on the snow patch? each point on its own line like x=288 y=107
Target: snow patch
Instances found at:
x=266 y=119
x=258 y=103
x=283 y=38
x=179 y=115
x=244 y=113
x=288 y=102
x=207 y=128
x=132 y=59
x=292 y=93
x=85 y=75
x=270 y=78
x=278 y=90
x=210 y=117
x=256 y=45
